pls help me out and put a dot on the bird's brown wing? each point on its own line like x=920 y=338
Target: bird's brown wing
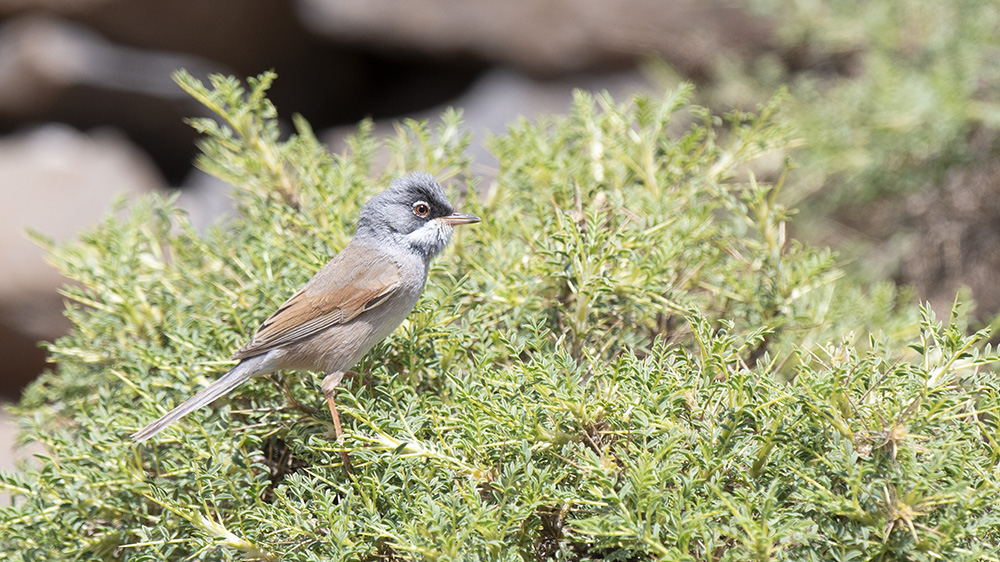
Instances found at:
x=357 y=279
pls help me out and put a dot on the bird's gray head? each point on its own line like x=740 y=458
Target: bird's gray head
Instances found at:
x=413 y=213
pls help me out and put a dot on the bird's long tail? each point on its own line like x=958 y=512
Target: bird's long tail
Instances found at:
x=227 y=382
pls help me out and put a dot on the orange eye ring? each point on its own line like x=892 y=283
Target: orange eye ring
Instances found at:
x=421 y=209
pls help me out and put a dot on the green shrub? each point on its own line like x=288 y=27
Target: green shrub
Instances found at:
x=890 y=96
x=625 y=360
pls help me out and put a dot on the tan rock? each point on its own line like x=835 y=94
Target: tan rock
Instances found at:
x=57 y=181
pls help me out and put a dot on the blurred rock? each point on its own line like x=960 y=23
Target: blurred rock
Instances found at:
x=548 y=36
x=43 y=56
x=56 y=181
x=955 y=239
x=112 y=65
x=501 y=96
x=205 y=198
x=12 y=455
x=937 y=239
x=52 y=70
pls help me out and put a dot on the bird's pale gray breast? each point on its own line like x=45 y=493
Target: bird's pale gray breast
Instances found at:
x=339 y=346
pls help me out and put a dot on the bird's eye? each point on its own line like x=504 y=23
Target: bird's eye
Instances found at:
x=421 y=209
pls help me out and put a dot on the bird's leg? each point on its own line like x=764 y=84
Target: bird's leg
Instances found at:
x=329 y=386
x=365 y=380
x=282 y=383
x=351 y=375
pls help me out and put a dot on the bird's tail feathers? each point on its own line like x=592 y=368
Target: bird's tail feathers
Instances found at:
x=227 y=382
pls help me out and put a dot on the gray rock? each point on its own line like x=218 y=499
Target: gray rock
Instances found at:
x=56 y=181
x=546 y=36
x=501 y=96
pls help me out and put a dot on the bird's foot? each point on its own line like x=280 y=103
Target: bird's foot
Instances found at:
x=330 y=391
x=282 y=383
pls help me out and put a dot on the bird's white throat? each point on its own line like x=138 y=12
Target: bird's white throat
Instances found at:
x=430 y=238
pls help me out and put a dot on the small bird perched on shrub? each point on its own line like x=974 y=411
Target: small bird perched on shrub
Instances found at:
x=351 y=304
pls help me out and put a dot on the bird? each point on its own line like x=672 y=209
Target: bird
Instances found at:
x=352 y=303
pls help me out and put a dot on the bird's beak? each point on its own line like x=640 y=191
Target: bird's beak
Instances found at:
x=458 y=218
